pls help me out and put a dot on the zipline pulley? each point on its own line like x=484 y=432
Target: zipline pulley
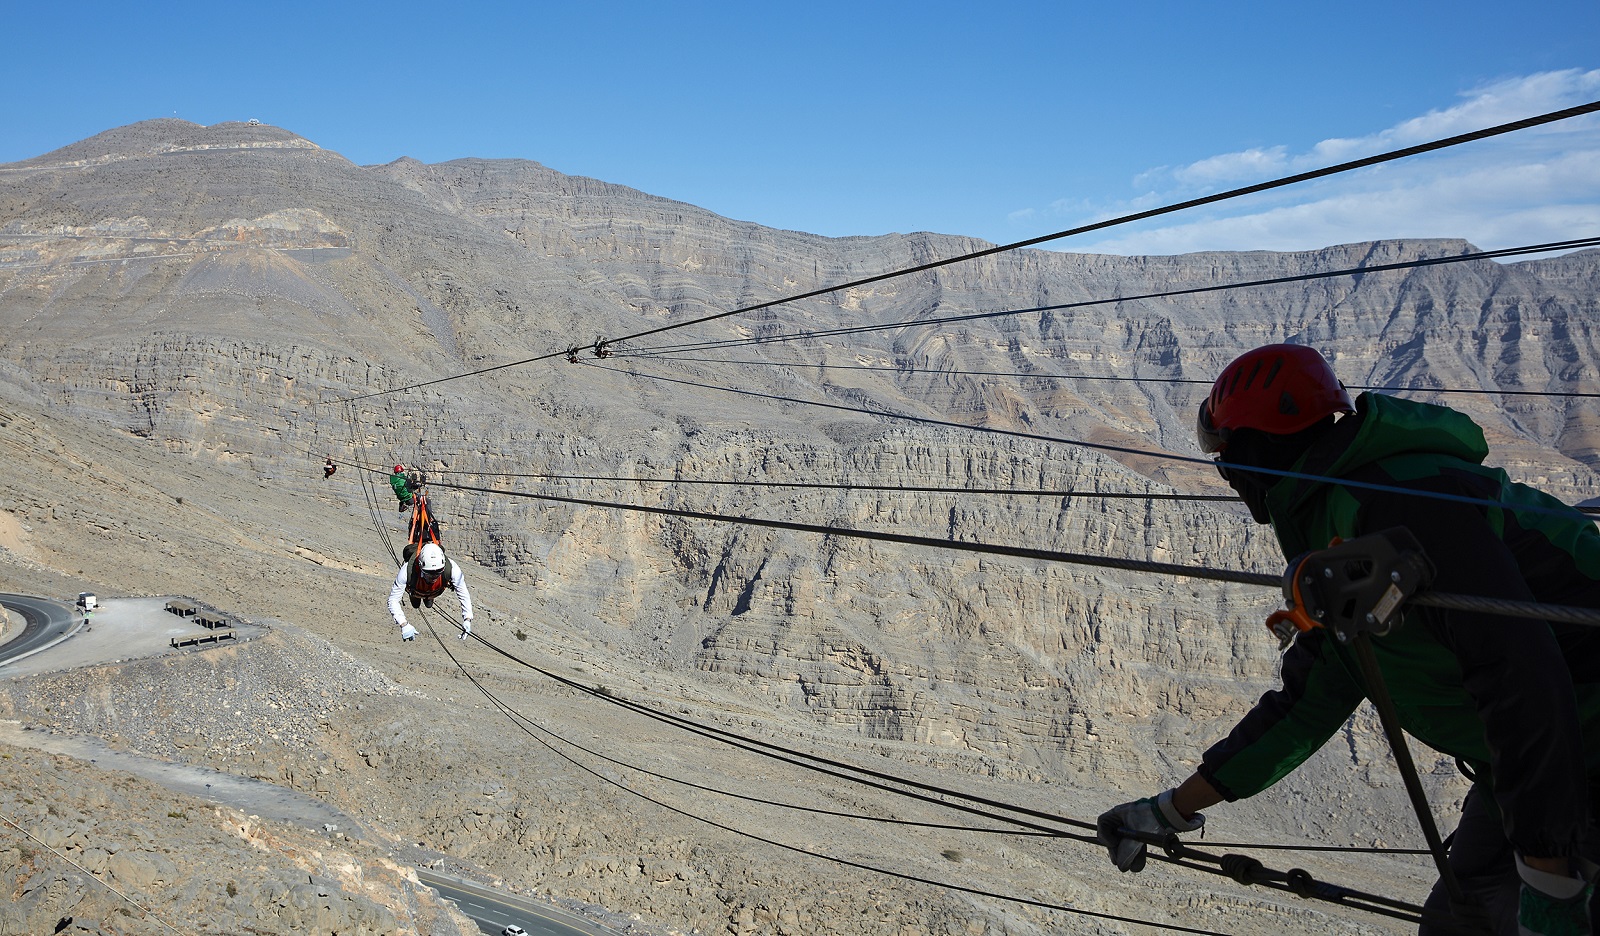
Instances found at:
x=1352 y=587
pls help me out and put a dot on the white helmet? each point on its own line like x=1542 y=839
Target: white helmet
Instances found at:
x=431 y=557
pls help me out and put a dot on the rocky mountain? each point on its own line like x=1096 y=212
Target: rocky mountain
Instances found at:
x=196 y=316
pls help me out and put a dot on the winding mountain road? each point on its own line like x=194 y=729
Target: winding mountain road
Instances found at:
x=48 y=622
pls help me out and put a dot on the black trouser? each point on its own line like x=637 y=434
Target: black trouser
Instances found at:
x=1484 y=864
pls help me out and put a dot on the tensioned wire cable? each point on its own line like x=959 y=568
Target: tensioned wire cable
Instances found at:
x=1565 y=512
x=1064 y=494
x=1031 y=829
x=1088 y=303
x=1537 y=248
x=813 y=762
x=1233 y=866
x=521 y=722
x=825 y=486
x=1229 y=866
x=88 y=874
x=1402 y=153
x=909 y=370
x=1238 y=867
x=844 y=771
x=1477 y=603
x=1384 y=905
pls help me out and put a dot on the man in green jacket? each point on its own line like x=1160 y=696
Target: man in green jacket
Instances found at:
x=1515 y=700
x=405 y=485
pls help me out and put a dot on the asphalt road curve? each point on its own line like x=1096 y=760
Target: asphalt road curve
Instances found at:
x=47 y=621
x=494 y=909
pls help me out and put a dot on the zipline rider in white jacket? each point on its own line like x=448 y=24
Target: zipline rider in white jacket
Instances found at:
x=423 y=579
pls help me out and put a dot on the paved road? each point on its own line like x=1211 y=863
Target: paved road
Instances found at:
x=47 y=623
x=495 y=909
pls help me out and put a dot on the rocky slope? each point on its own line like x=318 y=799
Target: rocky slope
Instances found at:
x=191 y=310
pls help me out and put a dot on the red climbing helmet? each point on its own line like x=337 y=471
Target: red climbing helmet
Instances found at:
x=399 y=468
x=1278 y=388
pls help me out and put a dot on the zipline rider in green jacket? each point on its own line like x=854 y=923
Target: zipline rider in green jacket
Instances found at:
x=1516 y=700
x=406 y=486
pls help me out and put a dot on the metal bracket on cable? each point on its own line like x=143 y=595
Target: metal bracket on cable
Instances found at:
x=1248 y=871
x=1352 y=587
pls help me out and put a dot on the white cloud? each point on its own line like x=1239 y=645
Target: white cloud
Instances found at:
x=1492 y=205
x=1250 y=164
x=1488 y=106
x=1531 y=186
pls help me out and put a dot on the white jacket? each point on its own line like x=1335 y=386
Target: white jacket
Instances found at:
x=458 y=584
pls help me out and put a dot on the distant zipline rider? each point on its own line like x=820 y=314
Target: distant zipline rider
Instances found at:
x=424 y=577
x=406 y=485
x=1515 y=701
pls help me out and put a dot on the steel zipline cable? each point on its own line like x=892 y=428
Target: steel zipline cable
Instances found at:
x=1240 y=868
x=525 y=724
x=1523 y=609
x=1563 y=512
x=1088 y=303
x=789 y=755
x=1062 y=493
x=98 y=878
x=829 y=767
x=856 y=774
x=1402 y=153
x=908 y=370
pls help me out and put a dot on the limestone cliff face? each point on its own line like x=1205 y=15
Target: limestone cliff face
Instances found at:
x=218 y=291
x=204 y=303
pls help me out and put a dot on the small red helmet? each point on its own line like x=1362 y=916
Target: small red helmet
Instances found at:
x=1280 y=389
x=399 y=468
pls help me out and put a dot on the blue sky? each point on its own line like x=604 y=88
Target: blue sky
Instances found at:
x=998 y=121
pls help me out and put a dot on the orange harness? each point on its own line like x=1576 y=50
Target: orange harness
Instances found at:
x=425 y=585
x=423 y=531
x=423 y=528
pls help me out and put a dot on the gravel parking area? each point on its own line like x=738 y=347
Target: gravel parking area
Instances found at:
x=131 y=629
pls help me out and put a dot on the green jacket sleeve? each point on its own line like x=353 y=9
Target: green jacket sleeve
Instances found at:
x=1288 y=724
